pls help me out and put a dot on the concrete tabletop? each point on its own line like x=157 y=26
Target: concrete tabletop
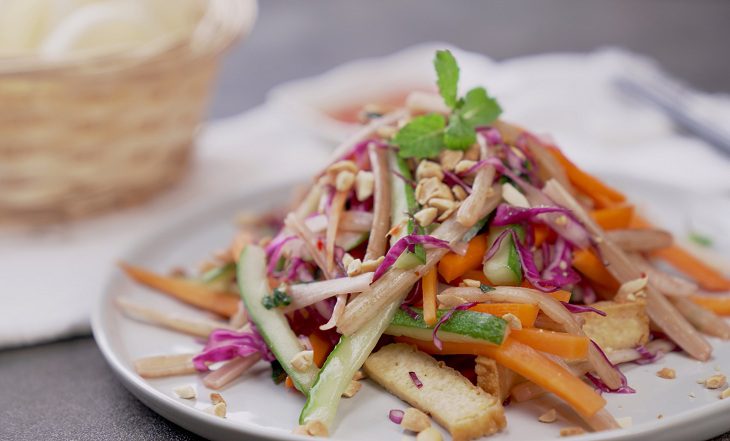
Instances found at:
x=65 y=390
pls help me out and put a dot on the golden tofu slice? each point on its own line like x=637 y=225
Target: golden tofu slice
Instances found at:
x=494 y=379
x=625 y=325
x=465 y=410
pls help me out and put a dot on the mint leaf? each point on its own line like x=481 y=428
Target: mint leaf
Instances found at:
x=479 y=109
x=460 y=135
x=423 y=137
x=448 y=76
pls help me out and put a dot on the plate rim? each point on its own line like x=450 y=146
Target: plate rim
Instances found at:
x=193 y=419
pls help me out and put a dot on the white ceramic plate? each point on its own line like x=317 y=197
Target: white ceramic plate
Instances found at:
x=258 y=409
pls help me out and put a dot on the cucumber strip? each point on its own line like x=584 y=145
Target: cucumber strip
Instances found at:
x=403 y=201
x=341 y=365
x=220 y=276
x=504 y=267
x=271 y=323
x=475 y=229
x=463 y=326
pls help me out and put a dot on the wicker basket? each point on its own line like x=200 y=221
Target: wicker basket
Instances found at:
x=85 y=135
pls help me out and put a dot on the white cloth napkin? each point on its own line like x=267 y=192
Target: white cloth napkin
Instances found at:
x=50 y=278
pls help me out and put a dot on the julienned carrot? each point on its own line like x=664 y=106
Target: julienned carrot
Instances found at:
x=453 y=265
x=685 y=262
x=718 y=304
x=475 y=274
x=530 y=364
x=191 y=292
x=525 y=312
x=588 y=264
x=614 y=217
x=591 y=186
x=705 y=276
x=429 y=284
x=568 y=346
x=289 y=384
x=321 y=348
x=541 y=234
x=560 y=295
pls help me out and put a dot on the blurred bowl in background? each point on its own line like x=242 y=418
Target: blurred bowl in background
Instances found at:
x=101 y=108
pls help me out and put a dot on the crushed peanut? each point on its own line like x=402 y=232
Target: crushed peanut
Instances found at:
x=716 y=381
x=340 y=166
x=667 y=373
x=218 y=410
x=354 y=268
x=660 y=416
x=429 y=169
x=426 y=216
x=471 y=283
x=513 y=196
x=513 y=321
x=359 y=375
x=725 y=394
x=572 y=431
x=364 y=185
x=386 y=132
x=415 y=420
x=371 y=265
x=442 y=205
x=312 y=428
x=430 y=434
x=352 y=389
x=186 y=392
x=548 y=417
x=216 y=398
x=459 y=192
x=432 y=188
x=449 y=158
x=464 y=165
x=302 y=361
x=344 y=181
x=446 y=214
x=347 y=260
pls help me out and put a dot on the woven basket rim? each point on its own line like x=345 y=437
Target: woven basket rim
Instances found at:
x=222 y=23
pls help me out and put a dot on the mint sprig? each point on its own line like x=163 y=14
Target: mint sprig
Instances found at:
x=447 y=73
x=426 y=136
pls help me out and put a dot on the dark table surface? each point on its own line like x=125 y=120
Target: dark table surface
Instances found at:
x=66 y=391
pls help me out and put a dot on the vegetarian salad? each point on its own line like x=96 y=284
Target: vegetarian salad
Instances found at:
x=457 y=260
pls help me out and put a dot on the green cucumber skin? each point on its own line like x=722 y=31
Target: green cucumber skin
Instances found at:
x=341 y=365
x=403 y=200
x=270 y=323
x=504 y=267
x=470 y=325
x=221 y=275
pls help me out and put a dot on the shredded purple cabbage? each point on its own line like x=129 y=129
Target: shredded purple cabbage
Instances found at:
x=224 y=344
x=402 y=245
x=452 y=179
x=410 y=311
x=576 y=309
x=410 y=182
x=416 y=381
x=509 y=214
x=491 y=135
x=603 y=387
x=544 y=282
x=444 y=318
x=396 y=415
x=646 y=356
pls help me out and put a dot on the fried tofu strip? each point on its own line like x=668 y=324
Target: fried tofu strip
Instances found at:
x=494 y=379
x=626 y=325
x=465 y=410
